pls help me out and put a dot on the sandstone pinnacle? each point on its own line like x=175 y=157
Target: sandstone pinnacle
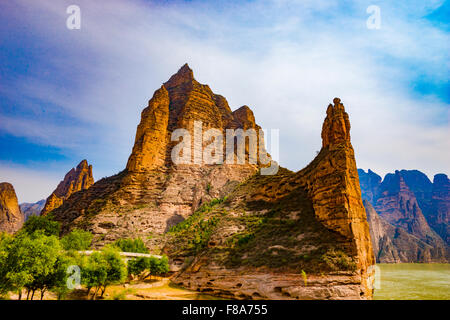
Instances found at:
x=336 y=127
x=320 y=204
x=79 y=178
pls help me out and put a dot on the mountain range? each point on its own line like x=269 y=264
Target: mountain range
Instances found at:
x=232 y=231
x=408 y=215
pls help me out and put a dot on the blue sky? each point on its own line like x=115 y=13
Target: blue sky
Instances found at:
x=68 y=95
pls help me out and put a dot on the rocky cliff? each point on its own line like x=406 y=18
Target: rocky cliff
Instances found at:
x=292 y=235
x=405 y=205
x=11 y=219
x=153 y=193
x=393 y=244
x=438 y=215
x=32 y=209
x=226 y=228
x=79 y=178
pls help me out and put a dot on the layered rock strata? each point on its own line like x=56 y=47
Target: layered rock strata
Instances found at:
x=414 y=213
x=308 y=228
x=11 y=218
x=304 y=233
x=77 y=179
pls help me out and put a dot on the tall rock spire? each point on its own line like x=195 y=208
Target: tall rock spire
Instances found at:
x=333 y=184
x=336 y=127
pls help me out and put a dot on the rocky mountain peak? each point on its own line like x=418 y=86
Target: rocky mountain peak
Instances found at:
x=336 y=127
x=79 y=178
x=184 y=75
x=178 y=104
x=244 y=115
x=11 y=218
x=441 y=179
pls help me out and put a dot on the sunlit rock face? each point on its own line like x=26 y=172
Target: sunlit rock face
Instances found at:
x=301 y=218
x=77 y=179
x=156 y=191
x=311 y=221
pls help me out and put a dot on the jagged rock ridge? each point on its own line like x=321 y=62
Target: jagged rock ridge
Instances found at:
x=11 y=219
x=301 y=219
x=155 y=192
x=405 y=204
x=315 y=215
x=79 y=178
x=393 y=244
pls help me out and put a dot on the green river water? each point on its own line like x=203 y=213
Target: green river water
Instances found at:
x=412 y=281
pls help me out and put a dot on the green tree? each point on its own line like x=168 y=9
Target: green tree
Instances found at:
x=77 y=240
x=158 y=266
x=57 y=280
x=144 y=267
x=94 y=272
x=43 y=223
x=5 y=244
x=137 y=266
x=103 y=269
x=30 y=261
x=131 y=245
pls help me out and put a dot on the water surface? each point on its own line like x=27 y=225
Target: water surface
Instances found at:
x=412 y=281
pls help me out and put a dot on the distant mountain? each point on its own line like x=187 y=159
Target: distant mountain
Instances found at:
x=408 y=202
x=393 y=244
x=438 y=215
x=32 y=209
x=11 y=218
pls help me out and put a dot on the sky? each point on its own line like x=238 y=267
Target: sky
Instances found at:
x=73 y=94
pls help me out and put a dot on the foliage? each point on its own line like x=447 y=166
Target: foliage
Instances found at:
x=102 y=269
x=131 y=245
x=5 y=245
x=43 y=223
x=202 y=232
x=77 y=240
x=244 y=239
x=33 y=262
x=189 y=222
x=143 y=267
x=305 y=278
x=338 y=260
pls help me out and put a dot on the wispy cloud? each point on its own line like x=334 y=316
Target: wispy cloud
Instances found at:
x=285 y=59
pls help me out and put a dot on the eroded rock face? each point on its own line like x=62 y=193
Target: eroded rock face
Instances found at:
x=32 y=209
x=312 y=220
x=438 y=216
x=11 y=219
x=393 y=244
x=79 y=178
x=155 y=191
x=302 y=219
x=404 y=203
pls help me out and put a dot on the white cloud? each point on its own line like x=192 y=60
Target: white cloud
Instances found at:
x=285 y=59
x=31 y=185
